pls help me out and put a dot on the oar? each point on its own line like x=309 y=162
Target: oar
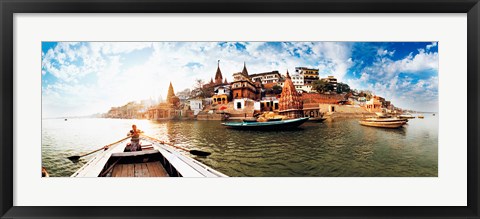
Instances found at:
x=76 y=157
x=194 y=152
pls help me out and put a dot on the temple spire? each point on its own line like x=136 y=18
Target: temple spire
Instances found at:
x=218 y=74
x=170 y=93
x=290 y=103
x=244 y=71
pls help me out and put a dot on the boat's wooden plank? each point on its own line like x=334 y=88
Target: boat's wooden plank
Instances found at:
x=147 y=171
x=130 y=170
x=123 y=172
x=143 y=170
x=135 y=153
x=136 y=170
x=139 y=170
x=156 y=169
x=161 y=170
x=117 y=170
x=152 y=170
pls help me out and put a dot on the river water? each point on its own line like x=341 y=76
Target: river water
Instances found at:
x=333 y=148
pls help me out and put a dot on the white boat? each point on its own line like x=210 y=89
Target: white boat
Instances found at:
x=374 y=119
x=156 y=159
x=382 y=115
x=383 y=122
x=406 y=116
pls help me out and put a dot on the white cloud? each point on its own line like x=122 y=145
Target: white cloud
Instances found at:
x=383 y=77
x=337 y=56
x=434 y=44
x=384 y=52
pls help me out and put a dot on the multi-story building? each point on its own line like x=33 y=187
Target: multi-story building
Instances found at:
x=222 y=94
x=374 y=105
x=221 y=88
x=298 y=81
x=266 y=77
x=196 y=105
x=309 y=74
x=244 y=87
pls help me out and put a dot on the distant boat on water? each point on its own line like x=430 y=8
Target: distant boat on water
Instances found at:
x=269 y=125
x=406 y=116
x=383 y=122
x=421 y=116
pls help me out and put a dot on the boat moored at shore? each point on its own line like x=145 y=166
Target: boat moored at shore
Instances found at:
x=406 y=116
x=268 y=125
x=383 y=122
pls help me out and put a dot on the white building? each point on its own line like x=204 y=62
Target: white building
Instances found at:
x=266 y=77
x=297 y=80
x=299 y=83
x=196 y=105
x=239 y=104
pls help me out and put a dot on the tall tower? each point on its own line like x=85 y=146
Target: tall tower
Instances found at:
x=170 y=93
x=290 y=104
x=218 y=74
x=244 y=71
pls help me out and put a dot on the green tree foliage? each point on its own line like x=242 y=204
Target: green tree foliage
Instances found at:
x=277 y=89
x=343 y=88
x=322 y=86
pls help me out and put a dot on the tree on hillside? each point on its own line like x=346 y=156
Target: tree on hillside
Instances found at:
x=201 y=90
x=343 y=88
x=277 y=89
x=322 y=86
x=366 y=93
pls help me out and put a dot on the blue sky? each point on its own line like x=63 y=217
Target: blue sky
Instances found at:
x=82 y=78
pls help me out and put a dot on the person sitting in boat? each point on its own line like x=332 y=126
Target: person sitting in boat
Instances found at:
x=134 y=144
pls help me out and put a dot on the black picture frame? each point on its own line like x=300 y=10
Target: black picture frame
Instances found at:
x=10 y=7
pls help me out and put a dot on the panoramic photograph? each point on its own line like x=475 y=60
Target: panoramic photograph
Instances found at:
x=239 y=109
